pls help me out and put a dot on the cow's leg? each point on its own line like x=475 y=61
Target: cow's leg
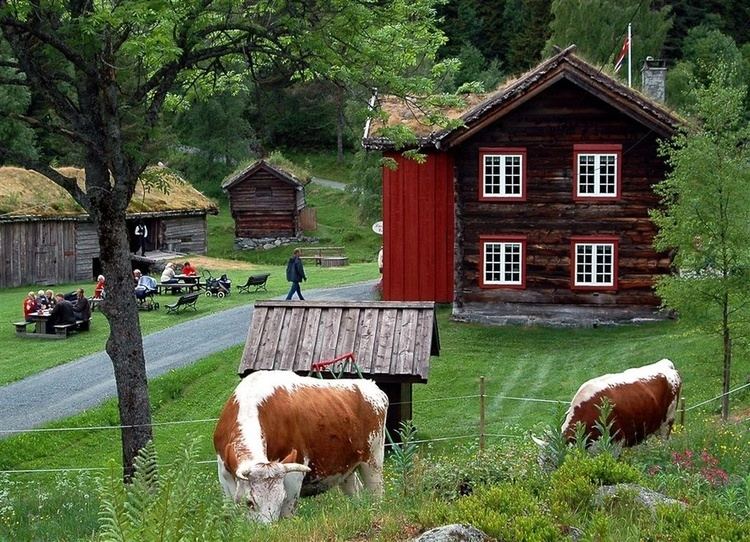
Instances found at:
x=372 y=477
x=352 y=485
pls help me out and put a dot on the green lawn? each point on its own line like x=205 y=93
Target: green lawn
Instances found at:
x=21 y=357
x=323 y=164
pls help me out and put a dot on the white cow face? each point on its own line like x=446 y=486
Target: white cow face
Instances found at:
x=263 y=490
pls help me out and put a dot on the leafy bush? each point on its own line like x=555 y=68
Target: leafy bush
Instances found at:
x=575 y=482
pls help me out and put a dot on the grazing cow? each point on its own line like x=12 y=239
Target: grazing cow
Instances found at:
x=276 y=418
x=644 y=400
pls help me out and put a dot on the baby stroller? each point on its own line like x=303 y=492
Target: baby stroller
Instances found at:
x=145 y=292
x=219 y=287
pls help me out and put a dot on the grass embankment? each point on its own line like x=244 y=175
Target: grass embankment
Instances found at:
x=533 y=363
x=323 y=164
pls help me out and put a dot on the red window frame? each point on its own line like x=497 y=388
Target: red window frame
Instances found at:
x=521 y=239
x=598 y=149
x=484 y=151
x=595 y=239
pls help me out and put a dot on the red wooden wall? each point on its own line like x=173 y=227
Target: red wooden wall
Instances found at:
x=418 y=230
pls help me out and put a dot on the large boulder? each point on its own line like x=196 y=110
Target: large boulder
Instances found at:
x=453 y=533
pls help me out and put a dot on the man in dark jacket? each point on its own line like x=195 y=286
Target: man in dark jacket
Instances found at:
x=62 y=313
x=81 y=307
x=295 y=273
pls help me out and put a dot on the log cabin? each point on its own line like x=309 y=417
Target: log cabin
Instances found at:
x=534 y=207
x=47 y=238
x=265 y=201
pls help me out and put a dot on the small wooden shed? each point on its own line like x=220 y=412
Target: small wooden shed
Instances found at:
x=265 y=201
x=392 y=342
x=47 y=238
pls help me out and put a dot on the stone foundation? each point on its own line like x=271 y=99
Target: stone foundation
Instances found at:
x=266 y=243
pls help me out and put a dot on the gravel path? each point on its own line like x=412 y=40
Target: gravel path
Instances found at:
x=85 y=383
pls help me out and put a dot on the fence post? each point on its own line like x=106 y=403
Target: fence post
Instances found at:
x=481 y=414
x=682 y=412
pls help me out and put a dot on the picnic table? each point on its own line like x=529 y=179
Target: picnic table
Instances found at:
x=39 y=320
x=188 y=283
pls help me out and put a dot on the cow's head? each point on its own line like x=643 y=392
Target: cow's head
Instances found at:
x=270 y=490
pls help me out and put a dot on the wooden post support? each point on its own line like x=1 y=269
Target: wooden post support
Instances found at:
x=481 y=414
x=682 y=412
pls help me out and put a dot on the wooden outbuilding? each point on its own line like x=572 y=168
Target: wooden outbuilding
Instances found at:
x=46 y=238
x=392 y=342
x=265 y=201
x=535 y=208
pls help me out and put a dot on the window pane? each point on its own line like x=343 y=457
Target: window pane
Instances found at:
x=503 y=175
x=502 y=263
x=594 y=264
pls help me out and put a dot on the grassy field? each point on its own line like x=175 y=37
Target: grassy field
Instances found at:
x=532 y=363
x=323 y=164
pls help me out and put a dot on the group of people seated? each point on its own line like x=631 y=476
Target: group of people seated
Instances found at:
x=57 y=308
x=169 y=275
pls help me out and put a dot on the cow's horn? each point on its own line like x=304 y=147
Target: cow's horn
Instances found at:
x=295 y=467
x=539 y=442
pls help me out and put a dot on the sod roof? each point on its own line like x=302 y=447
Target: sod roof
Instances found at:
x=25 y=193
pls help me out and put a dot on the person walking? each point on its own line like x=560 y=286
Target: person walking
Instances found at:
x=295 y=273
x=141 y=233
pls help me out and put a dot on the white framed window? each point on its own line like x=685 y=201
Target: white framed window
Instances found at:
x=595 y=263
x=597 y=171
x=502 y=174
x=503 y=261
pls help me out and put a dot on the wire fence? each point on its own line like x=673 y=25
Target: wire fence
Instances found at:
x=484 y=429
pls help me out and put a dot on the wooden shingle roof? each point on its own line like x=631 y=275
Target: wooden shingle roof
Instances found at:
x=391 y=341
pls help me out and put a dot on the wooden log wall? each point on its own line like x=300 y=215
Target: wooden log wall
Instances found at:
x=264 y=206
x=548 y=126
x=190 y=232
x=37 y=252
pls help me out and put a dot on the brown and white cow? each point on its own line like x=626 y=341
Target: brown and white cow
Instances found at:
x=644 y=402
x=274 y=419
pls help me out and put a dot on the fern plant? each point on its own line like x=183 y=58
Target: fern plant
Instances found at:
x=161 y=504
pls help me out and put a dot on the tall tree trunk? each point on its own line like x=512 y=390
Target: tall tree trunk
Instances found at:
x=727 y=342
x=125 y=342
x=340 y=121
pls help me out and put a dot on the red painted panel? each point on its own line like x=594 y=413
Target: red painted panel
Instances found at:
x=418 y=230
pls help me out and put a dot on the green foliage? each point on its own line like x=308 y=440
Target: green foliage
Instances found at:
x=160 y=503
x=704 y=49
x=598 y=28
x=509 y=512
x=573 y=485
x=705 y=217
x=403 y=454
x=367 y=186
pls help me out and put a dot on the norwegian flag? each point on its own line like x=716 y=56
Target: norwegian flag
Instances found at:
x=623 y=52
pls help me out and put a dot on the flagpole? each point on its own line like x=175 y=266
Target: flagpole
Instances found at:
x=630 y=57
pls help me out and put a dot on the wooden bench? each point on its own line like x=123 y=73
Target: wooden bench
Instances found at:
x=184 y=302
x=334 y=256
x=63 y=330
x=21 y=326
x=257 y=281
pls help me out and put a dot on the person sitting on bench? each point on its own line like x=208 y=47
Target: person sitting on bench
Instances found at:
x=29 y=306
x=81 y=307
x=62 y=313
x=168 y=275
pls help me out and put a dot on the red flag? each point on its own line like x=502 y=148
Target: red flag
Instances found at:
x=624 y=51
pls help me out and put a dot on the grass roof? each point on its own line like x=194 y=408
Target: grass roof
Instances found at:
x=28 y=193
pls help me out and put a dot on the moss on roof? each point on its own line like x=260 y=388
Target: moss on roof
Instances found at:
x=28 y=193
x=277 y=161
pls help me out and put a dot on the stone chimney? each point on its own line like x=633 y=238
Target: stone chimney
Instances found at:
x=653 y=78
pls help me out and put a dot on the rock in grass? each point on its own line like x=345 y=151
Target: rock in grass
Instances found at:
x=646 y=497
x=453 y=533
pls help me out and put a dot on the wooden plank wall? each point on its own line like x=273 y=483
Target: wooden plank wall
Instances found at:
x=37 y=252
x=418 y=230
x=548 y=126
x=189 y=231
x=263 y=205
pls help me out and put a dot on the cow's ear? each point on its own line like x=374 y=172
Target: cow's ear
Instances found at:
x=291 y=458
